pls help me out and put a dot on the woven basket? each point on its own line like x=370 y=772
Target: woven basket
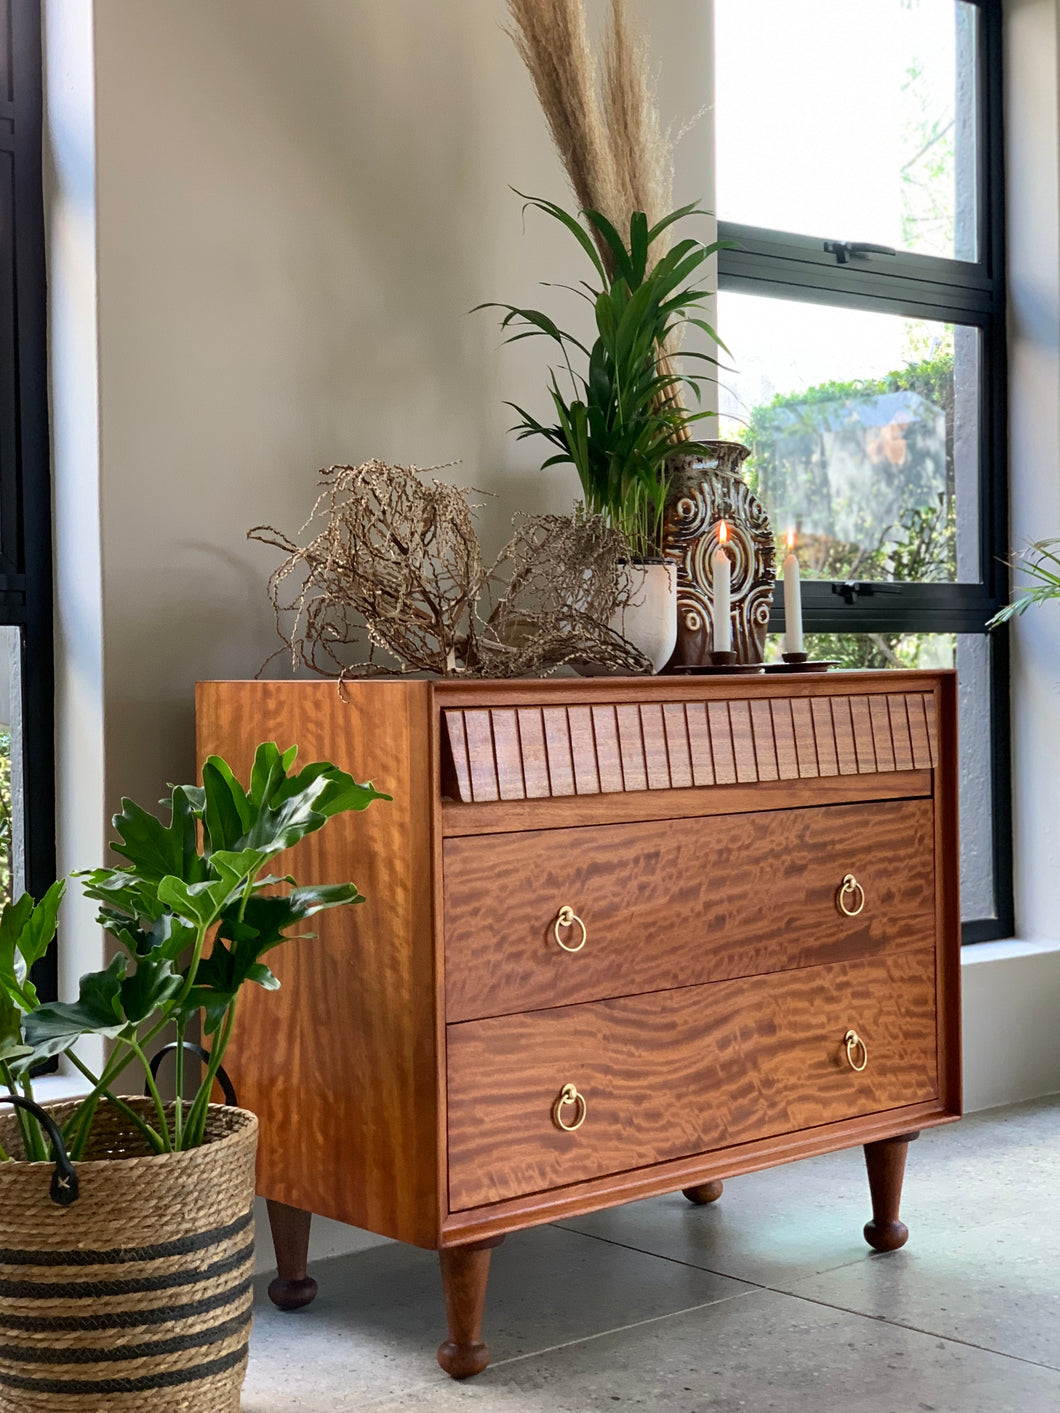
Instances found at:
x=137 y=1295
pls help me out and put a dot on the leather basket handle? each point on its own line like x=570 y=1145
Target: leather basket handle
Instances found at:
x=227 y=1087
x=65 y=1188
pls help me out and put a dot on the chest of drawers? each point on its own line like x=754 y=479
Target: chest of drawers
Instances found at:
x=621 y=938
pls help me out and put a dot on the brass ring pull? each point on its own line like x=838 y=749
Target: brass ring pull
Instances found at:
x=567 y=917
x=850 y=885
x=569 y=1095
x=853 y=1041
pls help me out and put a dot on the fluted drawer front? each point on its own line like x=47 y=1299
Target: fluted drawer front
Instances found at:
x=682 y=1072
x=550 y=752
x=677 y=902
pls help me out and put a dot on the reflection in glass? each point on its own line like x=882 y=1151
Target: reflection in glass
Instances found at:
x=849 y=120
x=863 y=429
x=969 y=653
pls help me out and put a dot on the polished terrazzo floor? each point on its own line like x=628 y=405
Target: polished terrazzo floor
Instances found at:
x=768 y=1301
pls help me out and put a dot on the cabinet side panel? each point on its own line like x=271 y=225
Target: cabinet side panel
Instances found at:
x=341 y=1063
x=947 y=891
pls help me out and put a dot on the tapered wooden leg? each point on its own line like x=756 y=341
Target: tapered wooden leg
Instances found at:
x=703 y=1194
x=885 y=1162
x=465 y=1271
x=292 y=1289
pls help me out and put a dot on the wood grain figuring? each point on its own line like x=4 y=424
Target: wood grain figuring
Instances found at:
x=765 y=746
x=882 y=744
x=512 y=816
x=903 y=746
x=931 y=714
x=456 y=742
x=721 y=746
x=682 y=1072
x=679 y=902
x=947 y=893
x=478 y=730
x=918 y=732
x=583 y=750
x=656 y=757
x=843 y=733
x=558 y=747
x=743 y=743
x=341 y=1064
x=824 y=736
x=506 y=754
x=861 y=722
x=678 y=745
x=697 y=725
x=631 y=748
x=613 y=1189
x=532 y=747
x=608 y=756
x=510 y=782
x=784 y=741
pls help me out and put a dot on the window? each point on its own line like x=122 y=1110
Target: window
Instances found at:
x=27 y=789
x=862 y=299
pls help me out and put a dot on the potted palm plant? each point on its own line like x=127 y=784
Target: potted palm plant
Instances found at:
x=619 y=402
x=1041 y=562
x=127 y=1222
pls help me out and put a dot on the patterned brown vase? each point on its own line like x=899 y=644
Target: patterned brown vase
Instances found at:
x=705 y=488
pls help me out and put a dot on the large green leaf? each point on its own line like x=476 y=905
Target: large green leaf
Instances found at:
x=151 y=985
x=52 y=1028
x=12 y=920
x=26 y=932
x=156 y=850
x=12 y=1046
x=201 y=903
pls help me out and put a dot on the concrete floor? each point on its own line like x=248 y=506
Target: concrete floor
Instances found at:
x=767 y=1301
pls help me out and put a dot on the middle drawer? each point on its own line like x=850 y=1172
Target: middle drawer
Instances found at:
x=678 y=902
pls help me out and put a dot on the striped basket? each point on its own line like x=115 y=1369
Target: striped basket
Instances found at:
x=137 y=1295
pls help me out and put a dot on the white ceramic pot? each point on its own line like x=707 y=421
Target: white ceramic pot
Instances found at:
x=649 y=620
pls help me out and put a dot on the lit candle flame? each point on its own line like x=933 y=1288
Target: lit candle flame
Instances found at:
x=723 y=533
x=791 y=539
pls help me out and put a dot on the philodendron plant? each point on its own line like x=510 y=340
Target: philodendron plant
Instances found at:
x=193 y=911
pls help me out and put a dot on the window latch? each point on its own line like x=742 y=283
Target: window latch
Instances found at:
x=851 y=590
x=845 y=250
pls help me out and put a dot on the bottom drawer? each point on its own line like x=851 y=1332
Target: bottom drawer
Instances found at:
x=674 y=1073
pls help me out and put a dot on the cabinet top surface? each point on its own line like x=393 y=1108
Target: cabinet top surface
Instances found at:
x=678 y=687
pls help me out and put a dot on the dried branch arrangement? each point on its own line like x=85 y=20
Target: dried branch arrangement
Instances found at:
x=393 y=564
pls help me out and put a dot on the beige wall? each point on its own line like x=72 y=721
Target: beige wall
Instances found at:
x=298 y=205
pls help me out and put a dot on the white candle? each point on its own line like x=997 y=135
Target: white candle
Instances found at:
x=722 y=593
x=792 y=600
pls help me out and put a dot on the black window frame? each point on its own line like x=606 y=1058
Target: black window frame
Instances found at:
x=781 y=265
x=25 y=462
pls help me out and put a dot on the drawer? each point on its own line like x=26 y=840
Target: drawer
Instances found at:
x=562 y=749
x=682 y=1072
x=678 y=902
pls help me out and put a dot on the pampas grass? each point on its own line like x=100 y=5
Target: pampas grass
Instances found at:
x=605 y=126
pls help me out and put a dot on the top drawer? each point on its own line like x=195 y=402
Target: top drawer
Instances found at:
x=548 y=752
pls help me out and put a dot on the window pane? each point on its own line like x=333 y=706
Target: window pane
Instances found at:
x=864 y=430
x=969 y=653
x=849 y=119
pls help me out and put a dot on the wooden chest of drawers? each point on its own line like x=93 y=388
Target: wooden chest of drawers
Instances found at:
x=622 y=937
